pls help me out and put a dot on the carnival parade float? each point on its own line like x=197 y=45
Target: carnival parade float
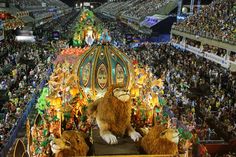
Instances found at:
x=104 y=97
x=63 y=106
x=86 y=33
x=87 y=30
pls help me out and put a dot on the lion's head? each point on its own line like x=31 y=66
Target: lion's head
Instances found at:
x=119 y=91
x=159 y=131
x=161 y=140
x=171 y=135
x=70 y=140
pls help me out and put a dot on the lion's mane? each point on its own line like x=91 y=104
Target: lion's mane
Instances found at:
x=114 y=112
x=152 y=143
x=78 y=145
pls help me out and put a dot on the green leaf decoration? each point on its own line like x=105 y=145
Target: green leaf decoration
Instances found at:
x=55 y=118
x=89 y=100
x=40 y=123
x=35 y=140
x=184 y=134
x=67 y=115
x=83 y=118
x=46 y=117
x=157 y=110
x=84 y=108
x=188 y=135
x=143 y=115
x=45 y=132
x=80 y=96
x=163 y=121
x=41 y=112
x=38 y=151
x=162 y=101
x=181 y=130
x=139 y=102
x=158 y=118
x=144 y=118
x=42 y=103
x=45 y=91
x=165 y=114
x=45 y=143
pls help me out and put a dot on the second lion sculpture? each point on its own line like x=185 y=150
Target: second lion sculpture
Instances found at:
x=113 y=114
x=71 y=143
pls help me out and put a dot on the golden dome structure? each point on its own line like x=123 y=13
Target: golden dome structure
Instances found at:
x=102 y=66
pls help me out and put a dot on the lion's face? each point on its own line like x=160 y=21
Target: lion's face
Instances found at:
x=122 y=94
x=69 y=140
x=170 y=134
x=58 y=145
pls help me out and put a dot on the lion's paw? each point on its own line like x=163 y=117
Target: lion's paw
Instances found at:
x=110 y=139
x=135 y=136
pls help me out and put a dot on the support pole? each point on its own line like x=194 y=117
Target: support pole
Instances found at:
x=179 y=9
x=199 y=6
x=191 y=7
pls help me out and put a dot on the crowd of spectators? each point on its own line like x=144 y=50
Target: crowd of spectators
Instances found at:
x=119 y=34
x=41 y=14
x=215 y=21
x=196 y=89
x=123 y=6
x=204 y=47
x=193 y=43
x=232 y=56
x=113 y=8
x=110 y=7
x=24 y=3
x=40 y=9
x=145 y=8
x=136 y=9
x=200 y=93
x=23 y=67
x=215 y=50
x=106 y=7
x=187 y=76
x=63 y=25
x=38 y=3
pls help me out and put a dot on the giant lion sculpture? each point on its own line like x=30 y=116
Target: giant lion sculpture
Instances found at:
x=113 y=114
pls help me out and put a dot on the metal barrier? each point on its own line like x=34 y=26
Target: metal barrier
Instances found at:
x=23 y=118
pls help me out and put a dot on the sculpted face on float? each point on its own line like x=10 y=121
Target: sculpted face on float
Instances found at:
x=122 y=94
x=171 y=134
x=57 y=145
x=71 y=143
